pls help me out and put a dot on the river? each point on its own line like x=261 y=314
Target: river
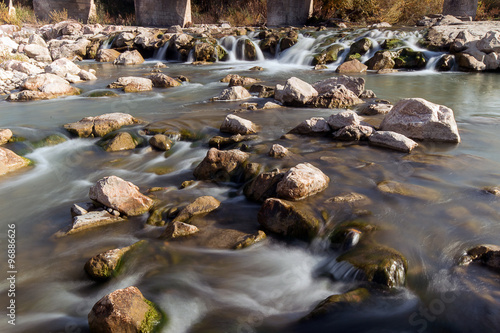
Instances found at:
x=269 y=286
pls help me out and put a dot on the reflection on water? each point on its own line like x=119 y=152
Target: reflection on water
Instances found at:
x=267 y=287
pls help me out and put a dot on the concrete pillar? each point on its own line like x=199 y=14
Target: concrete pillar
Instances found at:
x=12 y=10
x=162 y=12
x=460 y=7
x=77 y=9
x=288 y=12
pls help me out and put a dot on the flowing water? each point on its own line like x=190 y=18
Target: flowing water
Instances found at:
x=267 y=287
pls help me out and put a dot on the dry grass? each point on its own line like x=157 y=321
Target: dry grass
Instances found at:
x=236 y=12
x=488 y=10
x=24 y=15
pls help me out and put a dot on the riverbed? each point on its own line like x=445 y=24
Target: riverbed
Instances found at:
x=267 y=287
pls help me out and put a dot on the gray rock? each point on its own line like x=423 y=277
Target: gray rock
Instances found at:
x=355 y=84
x=92 y=220
x=419 y=119
x=278 y=151
x=392 y=140
x=236 y=125
x=353 y=133
x=129 y=58
x=295 y=92
x=343 y=119
x=313 y=126
x=235 y=93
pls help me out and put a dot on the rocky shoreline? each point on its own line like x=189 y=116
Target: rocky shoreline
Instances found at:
x=47 y=71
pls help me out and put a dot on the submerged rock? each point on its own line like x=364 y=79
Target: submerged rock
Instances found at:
x=124 y=310
x=302 y=181
x=220 y=142
x=123 y=196
x=419 y=119
x=201 y=205
x=100 y=125
x=283 y=218
x=408 y=190
x=250 y=240
x=10 y=161
x=221 y=165
x=236 y=125
x=392 y=140
x=379 y=264
x=338 y=302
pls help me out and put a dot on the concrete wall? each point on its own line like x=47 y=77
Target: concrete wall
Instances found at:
x=291 y=12
x=162 y=12
x=460 y=7
x=77 y=9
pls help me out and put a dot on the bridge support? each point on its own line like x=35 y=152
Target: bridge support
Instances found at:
x=162 y=12
x=460 y=8
x=77 y=9
x=288 y=12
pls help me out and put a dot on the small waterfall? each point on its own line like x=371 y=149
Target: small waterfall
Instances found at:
x=300 y=53
x=229 y=44
x=107 y=43
x=161 y=52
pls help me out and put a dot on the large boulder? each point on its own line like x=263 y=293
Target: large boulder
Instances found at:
x=132 y=84
x=100 y=125
x=302 y=181
x=10 y=161
x=107 y=55
x=129 y=58
x=284 y=218
x=381 y=60
x=49 y=86
x=124 y=310
x=5 y=135
x=355 y=84
x=21 y=66
x=343 y=119
x=236 y=125
x=419 y=119
x=295 y=92
x=221 y=165
x=234 y=93
x=68 y=48
x=62 y=67
x=204 y=52
x=123 y=196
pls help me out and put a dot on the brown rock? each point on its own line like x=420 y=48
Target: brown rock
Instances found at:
x=129 y=58
x=161 y=142
x=10 y=161
x=5 y=135
x=124 y=310
x=263 y=186
x=161 y=80
x=120 y=195
x=107 y=55
x=352 y=66
x=122 y=141
x=100 y=125
x=282 y=217
x=176 y=229
x=201 y=205
x=278 y=151
x=221 y=165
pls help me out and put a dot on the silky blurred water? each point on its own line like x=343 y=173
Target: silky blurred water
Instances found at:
x=269 y=286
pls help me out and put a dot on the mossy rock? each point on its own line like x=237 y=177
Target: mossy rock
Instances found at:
x=190 y=135
x=380 y=264
x=361 y=46
x=354 y=56
x=51 y=140
x=393 y=43
x=409 y=190
x=338 y=302
x=118 y=141
x=161 y=170
x=103 y=93
x=329 y=55
x=153 y=319
x=410 y=59
x=222 y=54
